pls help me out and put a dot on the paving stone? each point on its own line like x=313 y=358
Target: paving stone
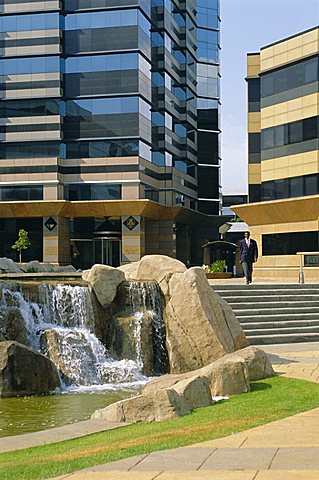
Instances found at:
x=240 y=459
x=121 y=465
x=235 y=440
x=288 y=475
x=209 y=475
x=176 y=459
x=112 y=476
x=296 y=458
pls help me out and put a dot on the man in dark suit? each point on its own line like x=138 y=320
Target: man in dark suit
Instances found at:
x=248 y=254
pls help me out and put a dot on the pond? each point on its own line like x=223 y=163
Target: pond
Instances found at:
x=32 y=414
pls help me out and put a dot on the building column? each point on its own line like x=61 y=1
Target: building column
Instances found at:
x=56 y=240
x=133 y=238
x=161 y=237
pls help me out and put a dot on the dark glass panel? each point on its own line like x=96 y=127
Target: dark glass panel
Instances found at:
x=254 y=193
x=311 y=185
x=92 y=191
x=19 y=193
x=289 y=243
x=29 y=150
x=208 y=181
x=296 y=187
x=254 y=90
x=254 y=142
x=310 y=128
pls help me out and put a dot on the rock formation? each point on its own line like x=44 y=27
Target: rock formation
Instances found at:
x=171 y=396
x=199 y=327
x=104 y=280
x=9 y=266
x=207 y=349
x=12 y=325
x=24 y=371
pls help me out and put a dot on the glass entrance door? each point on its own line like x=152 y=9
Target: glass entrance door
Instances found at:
x=107 y=251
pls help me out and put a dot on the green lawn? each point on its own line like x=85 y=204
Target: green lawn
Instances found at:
x=269 y=400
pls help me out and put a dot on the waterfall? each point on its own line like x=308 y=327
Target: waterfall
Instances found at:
x=145 y=299
x=61 y=326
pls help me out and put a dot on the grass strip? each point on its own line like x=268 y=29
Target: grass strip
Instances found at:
x=269 y=400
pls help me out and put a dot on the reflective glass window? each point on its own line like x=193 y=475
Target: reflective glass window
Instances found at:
x=291 y=77
x=295 y=132
x=101 y=63
x=29 y=65
x=112 y=18
x=42 y=21
x=254 y=90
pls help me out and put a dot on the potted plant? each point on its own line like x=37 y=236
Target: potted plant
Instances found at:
x=217 y=270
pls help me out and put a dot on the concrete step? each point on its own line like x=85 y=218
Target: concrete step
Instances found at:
x=294 y=297
x=282 y=331
x=269 y=311
x=266 y=286
x=274 y=305
x=275 y=313
x=288 y=338
x=274 y=325
x=248 y=292
x=298 y=317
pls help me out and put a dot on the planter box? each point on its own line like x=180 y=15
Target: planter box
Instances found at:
x=219 y=275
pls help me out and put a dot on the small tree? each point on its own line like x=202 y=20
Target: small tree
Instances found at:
x=23 y=243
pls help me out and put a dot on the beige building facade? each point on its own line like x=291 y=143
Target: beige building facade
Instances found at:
x=283 y=157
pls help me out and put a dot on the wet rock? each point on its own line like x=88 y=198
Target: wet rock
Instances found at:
x=71 y=351
x=12 y=325
x=24 y=371
x=132 y=338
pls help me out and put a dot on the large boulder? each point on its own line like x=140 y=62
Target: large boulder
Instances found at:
x=12 y=325
x=104 y=281
x=257 y=361
x=36 y=266
x=25 y=372
x=199 y=326
x=156 y=405
x=155 y=268
x=227 y=376
x=171 y=396
x=9 y=266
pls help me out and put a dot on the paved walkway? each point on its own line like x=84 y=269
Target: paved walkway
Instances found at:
x=58 y=434
x=284 y=450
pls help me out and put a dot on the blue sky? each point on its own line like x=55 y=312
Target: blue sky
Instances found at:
x=246 y=26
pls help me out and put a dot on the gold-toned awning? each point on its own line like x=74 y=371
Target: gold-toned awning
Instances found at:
x=300 y=209
x=105 y=208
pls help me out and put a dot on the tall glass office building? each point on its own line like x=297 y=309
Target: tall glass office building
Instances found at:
x=109 y=127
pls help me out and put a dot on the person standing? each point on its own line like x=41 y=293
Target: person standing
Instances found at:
x=248 y=254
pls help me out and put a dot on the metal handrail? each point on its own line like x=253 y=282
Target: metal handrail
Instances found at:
x=302 y=254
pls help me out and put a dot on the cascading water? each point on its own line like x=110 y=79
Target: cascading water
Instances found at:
x=61 y=324
x=146 y=300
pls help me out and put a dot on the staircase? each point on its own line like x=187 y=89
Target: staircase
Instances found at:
x=272 y=314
